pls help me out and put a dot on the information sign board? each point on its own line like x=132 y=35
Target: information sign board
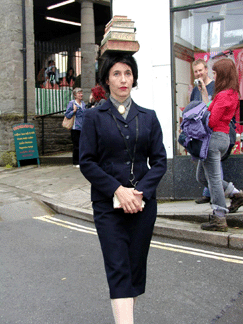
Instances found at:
x=25 y=142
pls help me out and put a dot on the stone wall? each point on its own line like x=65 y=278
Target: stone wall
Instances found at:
x=11 y=63
x=56 y=138
x=11 y=70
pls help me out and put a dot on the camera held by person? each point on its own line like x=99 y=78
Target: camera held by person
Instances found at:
x=197 y=82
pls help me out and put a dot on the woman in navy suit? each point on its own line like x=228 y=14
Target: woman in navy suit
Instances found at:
x=123 y=156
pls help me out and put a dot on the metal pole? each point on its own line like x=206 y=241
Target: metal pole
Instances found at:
x=24 y=61
x=111 y=8
x=43 y=136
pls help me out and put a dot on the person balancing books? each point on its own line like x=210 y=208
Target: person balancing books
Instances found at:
x=118 y=140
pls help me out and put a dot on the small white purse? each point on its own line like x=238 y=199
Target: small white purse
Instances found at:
x=116 y=202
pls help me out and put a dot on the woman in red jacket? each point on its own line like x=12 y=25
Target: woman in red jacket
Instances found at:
x=223 y=108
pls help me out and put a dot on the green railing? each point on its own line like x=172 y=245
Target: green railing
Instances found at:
x=49 y=101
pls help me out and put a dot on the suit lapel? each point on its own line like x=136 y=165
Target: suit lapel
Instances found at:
x=132 y=113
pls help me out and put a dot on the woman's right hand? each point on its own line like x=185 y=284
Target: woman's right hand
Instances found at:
x=74 y=108
x=204 y=92
x=130 y=199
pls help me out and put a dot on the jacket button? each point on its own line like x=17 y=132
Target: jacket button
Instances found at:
x=126 y=125
x=128 y=162
x=127 y=137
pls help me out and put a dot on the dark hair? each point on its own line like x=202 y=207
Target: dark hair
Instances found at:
x=111 y=59
x=70 y=77
x=71 y=68
x=227 y=77
x=51 y=61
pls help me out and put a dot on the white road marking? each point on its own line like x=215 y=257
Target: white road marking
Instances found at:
x=73 y=226
x=154 y=244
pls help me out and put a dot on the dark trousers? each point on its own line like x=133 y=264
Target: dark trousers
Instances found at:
x=75 y=134
x=125 y=241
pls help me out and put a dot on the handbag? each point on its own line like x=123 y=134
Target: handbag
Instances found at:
x=116 y=202
x=68 y=123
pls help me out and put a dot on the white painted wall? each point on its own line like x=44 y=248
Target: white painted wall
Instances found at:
x=152 y=22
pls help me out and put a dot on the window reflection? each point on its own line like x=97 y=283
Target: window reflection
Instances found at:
x=209 y=33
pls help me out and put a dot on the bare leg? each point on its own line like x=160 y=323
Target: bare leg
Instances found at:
x=123 y=310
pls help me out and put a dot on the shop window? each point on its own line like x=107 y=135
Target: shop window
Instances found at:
x=78 y=61
x=208 y=33
x=181 y=3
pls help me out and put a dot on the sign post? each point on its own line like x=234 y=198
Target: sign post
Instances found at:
x=25 y=142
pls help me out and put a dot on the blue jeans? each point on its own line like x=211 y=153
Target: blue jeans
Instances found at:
x=209 y=173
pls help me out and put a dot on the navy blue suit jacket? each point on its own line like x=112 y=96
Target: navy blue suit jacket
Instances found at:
x=104 y=159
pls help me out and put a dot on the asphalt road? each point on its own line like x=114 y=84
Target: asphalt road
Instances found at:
x=52 y=272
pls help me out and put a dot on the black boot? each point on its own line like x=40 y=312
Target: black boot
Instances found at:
x=215 y=223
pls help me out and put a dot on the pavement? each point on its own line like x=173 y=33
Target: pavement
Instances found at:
x=63 y=188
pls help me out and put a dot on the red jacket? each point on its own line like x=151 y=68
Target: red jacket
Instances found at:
x=223 y=108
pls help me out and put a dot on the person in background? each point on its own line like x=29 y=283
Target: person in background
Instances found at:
x=97 y=97
x=77 y=108
x=203 y=81
x=118 y=141
x=51 y=73
x=223 y=108
x=70 y=78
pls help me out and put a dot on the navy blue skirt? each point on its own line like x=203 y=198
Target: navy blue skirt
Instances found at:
x=125 y=241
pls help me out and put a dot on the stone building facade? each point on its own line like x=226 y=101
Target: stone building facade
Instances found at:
x=11 y=63
x=17 y=108
x=11 y=71
x=164 y=62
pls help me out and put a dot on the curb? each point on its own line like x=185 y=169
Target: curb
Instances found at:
x=165 y=227
x=191 y=234
x=76 y=212
x=233 y=220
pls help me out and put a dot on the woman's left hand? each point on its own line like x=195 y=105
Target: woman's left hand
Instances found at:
x=130 y=199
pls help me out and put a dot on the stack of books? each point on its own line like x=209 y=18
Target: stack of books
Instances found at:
x=119 y=36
